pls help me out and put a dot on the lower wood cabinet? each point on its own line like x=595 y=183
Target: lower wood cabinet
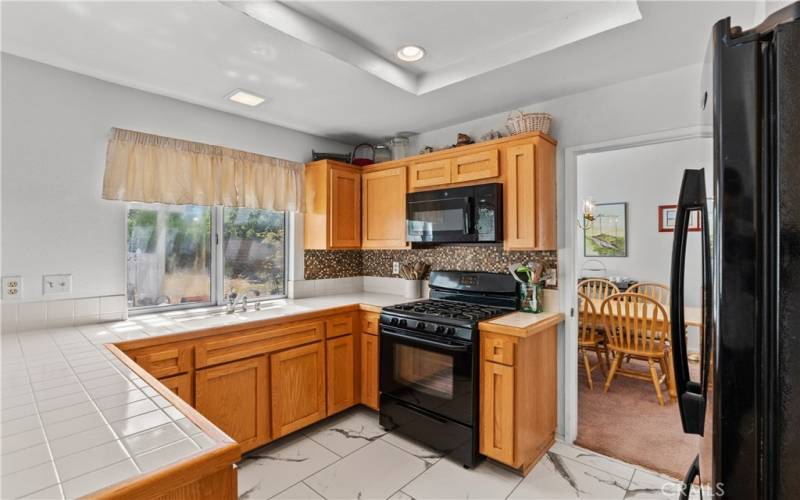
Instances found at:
x=234 y=397
x=497 y=415
x=340 y=368
x=369 y=370
x=518 y=397
x=180 y=385
x=297 y=388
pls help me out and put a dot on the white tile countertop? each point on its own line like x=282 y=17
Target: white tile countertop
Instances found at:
x=76 y=419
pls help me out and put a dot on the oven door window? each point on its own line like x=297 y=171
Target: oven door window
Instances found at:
x=434 y=220
x=438 y=379
x=425 y=371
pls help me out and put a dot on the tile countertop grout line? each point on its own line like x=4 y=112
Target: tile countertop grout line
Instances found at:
x=42 y=427
x=102 y=415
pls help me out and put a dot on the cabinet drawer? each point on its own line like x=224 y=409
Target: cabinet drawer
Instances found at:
x=429 y=173
x=236 y=346
x=498 y=349
x=369 y=322
x=165 y=361
x=476 y=166
x=343 y=324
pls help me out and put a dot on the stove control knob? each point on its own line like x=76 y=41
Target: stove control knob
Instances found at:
x=403 y=322
x=440 y=329
x=451 y=331
x=393 y=321
x=420 y=326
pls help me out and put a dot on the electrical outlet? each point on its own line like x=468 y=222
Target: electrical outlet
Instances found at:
x=395 y=268
x=12 y=287
x=56 y=284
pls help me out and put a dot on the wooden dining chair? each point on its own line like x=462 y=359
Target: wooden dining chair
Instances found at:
x=588 y=338
x=597 y=288
x=656 y=291
x=637 y=326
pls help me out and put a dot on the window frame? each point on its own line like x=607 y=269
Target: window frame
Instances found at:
x=216 y=267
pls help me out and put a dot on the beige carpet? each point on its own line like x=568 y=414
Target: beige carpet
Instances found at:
x=627 y=423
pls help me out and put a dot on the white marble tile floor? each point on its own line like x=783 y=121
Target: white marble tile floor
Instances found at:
x=349 y=456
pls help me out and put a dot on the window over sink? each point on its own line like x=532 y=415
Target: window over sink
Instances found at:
x=181 y=256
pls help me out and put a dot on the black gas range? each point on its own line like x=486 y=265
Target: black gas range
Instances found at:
x=429 y=360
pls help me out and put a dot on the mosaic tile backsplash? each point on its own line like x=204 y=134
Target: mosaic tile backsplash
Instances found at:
x=322 y=264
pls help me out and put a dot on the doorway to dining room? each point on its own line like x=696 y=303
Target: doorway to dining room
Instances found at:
x=623 y=242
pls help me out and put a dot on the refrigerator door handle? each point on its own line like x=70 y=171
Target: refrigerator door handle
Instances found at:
x=691 y=396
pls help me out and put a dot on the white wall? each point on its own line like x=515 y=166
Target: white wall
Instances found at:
x=645 y=177
x=55 y=126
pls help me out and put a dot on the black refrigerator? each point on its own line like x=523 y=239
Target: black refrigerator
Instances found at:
x=745 y=404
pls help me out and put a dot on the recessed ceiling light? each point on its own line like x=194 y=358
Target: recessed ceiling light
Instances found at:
x=245 y=97
x=410 y=53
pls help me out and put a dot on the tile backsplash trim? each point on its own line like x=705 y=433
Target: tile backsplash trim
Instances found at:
x=20 y=316
x=324 y=264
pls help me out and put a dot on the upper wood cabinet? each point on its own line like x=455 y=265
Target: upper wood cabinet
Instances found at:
x=429 y=173
x=333 y=205
x=383 y=208
x=530 y=195
x=456 y=170
x=298 y=388
x=475 y=167
x=340 y=380
x=234 y=397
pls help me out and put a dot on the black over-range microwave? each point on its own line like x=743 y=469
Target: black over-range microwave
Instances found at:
x=457 y=215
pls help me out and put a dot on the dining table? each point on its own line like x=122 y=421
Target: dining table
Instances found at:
x=692 y=317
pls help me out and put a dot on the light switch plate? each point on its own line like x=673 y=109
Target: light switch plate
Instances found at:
x=56 y=284
x=12 y=287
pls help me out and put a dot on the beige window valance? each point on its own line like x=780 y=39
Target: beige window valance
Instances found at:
x=154 y=169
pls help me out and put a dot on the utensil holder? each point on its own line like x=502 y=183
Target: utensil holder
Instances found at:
x=412 y=289
x=531 y=297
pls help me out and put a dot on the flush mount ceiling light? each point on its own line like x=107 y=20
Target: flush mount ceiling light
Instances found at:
x=410 y=53
x=245 y=97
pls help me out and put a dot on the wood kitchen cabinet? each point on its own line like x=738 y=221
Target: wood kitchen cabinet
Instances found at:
x=234 y=397
x=369 y=369
x=333 y=205
x=530 y=195
x=297 y=388
x=518 y=394
x=383 y=206
x=340 y=367
x=180 y=385
x=474 y=167
x=430 y=173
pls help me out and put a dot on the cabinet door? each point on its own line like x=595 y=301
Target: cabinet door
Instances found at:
x=340 y=369
x=369 y=370
x=298 y=388
x=476 y=166
x=429 y=173
x=234 y=397
x=497 y=412
x=383 y=196
x=345 y=209
x=520 y=195
x=180 y=385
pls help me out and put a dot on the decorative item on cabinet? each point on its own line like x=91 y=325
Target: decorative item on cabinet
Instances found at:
x=363 y=154
x=426 y=150
x=399 y=147
x=382 y=153
x=342 y=157
x=491 y=135
x=521 y=123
